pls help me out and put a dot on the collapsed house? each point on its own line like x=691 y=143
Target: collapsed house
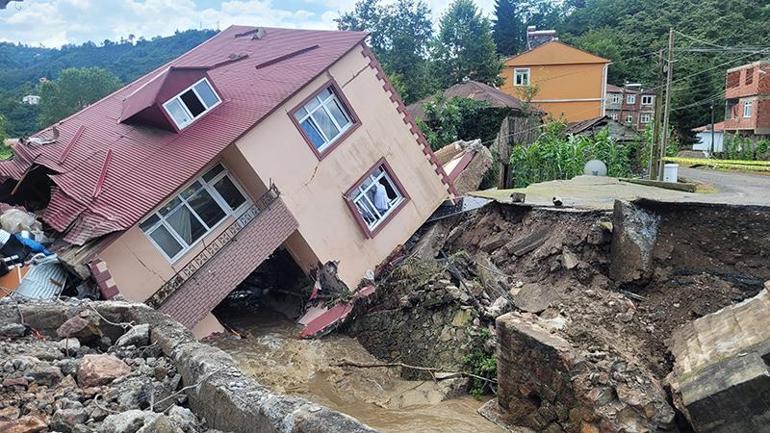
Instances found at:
x=173 y=189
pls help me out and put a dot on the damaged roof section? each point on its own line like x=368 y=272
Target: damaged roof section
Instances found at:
x=114 y=161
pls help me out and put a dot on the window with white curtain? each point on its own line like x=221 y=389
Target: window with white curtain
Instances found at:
x=376 y=197
x=194 y=212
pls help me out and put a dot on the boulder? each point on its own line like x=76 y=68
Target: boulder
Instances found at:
x=12 y=330
x=84 y=327
x=634 y=232
x=161 y=424
x=129 y=421
x=183 y=418
x=137 y=336
x=65 y=420
x=44 y=374
x=25 y=424
x=96 y=370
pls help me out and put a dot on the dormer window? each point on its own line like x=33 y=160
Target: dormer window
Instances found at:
x=192 y=103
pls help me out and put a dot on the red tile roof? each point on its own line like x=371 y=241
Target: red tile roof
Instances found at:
x=718 y=127
x=110 y=174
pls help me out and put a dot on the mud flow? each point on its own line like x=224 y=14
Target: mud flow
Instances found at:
x=562 y=317
x=264 y=341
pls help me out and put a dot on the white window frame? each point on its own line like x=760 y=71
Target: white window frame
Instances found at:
x=616 y=98
x=747 y=108
x=647 y=98
x=629 y=118
x=323 y=104
x=614 y=116
x=645 y=118
x=218 y=199
x=521 y=73
x=631 y=99
x=178 y=97
x=361 y=194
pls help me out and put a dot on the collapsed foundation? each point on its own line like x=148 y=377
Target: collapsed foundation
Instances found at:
x=592 y=301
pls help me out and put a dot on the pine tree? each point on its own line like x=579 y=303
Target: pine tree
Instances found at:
x=464 y=48
x=507 y=28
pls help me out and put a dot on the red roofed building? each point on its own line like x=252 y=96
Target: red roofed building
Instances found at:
x=260 y=138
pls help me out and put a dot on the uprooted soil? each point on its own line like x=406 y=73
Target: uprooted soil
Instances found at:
x=554 y=265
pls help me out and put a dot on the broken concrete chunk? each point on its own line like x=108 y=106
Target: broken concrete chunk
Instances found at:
x=535 y=298
x=634 y=233
x=129 y=421
x=138 y=336
x=25 y=424
x=721 y=376
x=12 y=330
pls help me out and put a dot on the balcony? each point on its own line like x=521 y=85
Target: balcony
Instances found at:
x=209 y=277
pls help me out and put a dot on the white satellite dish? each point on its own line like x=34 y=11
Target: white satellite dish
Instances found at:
x=595 y=167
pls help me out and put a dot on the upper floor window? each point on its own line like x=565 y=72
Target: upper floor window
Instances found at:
x=630 y=99
x=747 y=109
x=194 y=212
x=324 y=118
x=376 y=197
x=647 y=99
x=645 y=118
x=521 y=77
x=616 y=98
x=192 y=103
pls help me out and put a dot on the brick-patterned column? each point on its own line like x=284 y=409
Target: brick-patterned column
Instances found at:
x=231 y=265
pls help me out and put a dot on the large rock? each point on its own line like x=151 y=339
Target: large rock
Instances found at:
x=96 y=370
x=84 y=327
x=12 y=330
x=25 y=424
x=44 y=374
x=129 y=421
x=137 y=336
x=721 y=379
x=634 y=231
x=65 y=420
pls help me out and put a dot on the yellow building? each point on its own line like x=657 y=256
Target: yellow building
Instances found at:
x=561 y=80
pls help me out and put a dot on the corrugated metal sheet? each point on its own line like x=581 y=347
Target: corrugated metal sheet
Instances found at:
x=148 y=164
x=45 y=280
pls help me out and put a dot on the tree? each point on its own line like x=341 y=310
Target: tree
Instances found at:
x=507 y=28
x=72 y=91
x=464 y=48
x=5 y=151
x=400 y=34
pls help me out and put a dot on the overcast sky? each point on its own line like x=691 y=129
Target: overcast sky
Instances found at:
x=53 y=23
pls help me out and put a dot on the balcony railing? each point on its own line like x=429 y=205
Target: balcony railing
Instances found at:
x=213 y=248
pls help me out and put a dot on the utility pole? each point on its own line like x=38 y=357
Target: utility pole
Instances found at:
x=712 y=131
x=653 y=166
x=667 y=112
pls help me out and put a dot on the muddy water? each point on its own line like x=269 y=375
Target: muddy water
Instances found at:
x=270 y=351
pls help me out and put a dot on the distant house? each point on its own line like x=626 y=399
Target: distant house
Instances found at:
x=30 y=99
x=567 y=82
x=180 y=184
x=476 y=91
x=747 y=106
x=704 y=135
x=630 y=105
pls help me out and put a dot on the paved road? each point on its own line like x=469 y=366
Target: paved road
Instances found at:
x=731 y=187
x=601 y=192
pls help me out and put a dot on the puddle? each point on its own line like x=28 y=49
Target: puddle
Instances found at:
x=271 y=353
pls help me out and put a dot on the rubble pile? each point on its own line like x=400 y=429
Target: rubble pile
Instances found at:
x=585 y=304
x=85 y=381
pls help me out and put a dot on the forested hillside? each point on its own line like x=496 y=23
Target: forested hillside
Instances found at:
x=21 y=68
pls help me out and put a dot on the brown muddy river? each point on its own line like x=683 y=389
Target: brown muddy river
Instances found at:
x=271 y=352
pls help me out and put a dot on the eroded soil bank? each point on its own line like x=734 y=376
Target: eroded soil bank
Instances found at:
x=270 y=351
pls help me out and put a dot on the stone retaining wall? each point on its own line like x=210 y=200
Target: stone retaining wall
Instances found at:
x=226 y=398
